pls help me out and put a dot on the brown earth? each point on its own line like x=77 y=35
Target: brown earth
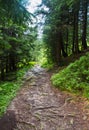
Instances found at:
x=39 y=106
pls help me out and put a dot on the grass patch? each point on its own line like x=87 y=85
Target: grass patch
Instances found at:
x=75 y=77
x=8 y=89
x=7 y=92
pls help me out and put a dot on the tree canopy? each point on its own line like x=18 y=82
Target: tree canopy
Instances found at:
x=66 y=27
x=16 y=35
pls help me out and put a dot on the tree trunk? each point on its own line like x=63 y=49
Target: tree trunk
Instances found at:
x=58 y=53
x=58 y=47
x=76 y=33
x=7 y=64
x=75 y=48
x=12 y=63
x=84 y=25
x=73 y=44
x=62 y=44
x=67 y=34
x=2 y=70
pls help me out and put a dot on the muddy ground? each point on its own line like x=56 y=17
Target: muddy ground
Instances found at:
x=40 y=106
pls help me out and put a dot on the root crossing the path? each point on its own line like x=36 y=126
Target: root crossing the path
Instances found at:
x=39 y=106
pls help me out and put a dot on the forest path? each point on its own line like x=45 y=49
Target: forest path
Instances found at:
x=39 y=106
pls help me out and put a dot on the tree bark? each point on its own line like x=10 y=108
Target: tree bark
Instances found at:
x=75 y=48
x=2 y=69
x=76 y=33
x=84 y=24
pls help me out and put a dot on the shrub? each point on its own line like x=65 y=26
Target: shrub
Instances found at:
x=75 y=77
x=8 y=89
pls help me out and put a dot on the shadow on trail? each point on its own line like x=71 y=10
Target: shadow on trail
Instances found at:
x=39 y=106
x=8 y=121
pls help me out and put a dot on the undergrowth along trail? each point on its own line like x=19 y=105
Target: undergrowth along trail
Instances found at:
x=39 y=106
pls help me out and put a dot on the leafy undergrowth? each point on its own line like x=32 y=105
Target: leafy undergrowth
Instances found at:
x=47 y=65
x=75 y=77
x=8 y=89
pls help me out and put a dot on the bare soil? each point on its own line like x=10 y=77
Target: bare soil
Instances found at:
x=40 y=106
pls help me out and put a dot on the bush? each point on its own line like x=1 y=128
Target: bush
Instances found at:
x=75 y=77
x=9 y=89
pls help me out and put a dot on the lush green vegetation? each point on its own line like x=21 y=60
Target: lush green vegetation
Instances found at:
x=16 y=42
x=8 y=89
x=65 y=33
x=16 y=35
x=47 y=65
x=66 y=27
x=7 y=92
x=75 y=77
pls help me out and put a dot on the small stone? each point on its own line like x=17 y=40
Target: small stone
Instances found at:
x=32 y=84
x=72 y=121
x=84 y=117
x=29 y=78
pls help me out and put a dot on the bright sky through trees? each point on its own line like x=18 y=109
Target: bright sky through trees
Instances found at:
x=33 y=5
x=32 y=8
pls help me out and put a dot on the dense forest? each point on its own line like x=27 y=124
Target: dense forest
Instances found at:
x=16 y=35
x=66 y=27
x=65 y=31
x=56 y=34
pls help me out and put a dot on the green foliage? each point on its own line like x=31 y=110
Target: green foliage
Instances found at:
x=16 y=35
x=7 y=92
x=8 y=89
x=66 y=27
x=38 y=50
x=75 y=77
x=47 y=65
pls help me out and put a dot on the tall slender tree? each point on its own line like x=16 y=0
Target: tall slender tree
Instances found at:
x=65 y=28
x=84 y=22
x=14 y=31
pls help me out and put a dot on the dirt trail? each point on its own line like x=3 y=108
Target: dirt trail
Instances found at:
x=39 y=106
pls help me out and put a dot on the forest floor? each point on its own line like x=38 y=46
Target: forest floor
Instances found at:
x=40 y=106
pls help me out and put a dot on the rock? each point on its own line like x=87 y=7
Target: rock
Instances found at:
x=72 y=121
x=84 y=117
